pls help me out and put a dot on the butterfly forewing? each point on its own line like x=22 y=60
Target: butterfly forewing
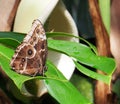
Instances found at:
x=30 y=55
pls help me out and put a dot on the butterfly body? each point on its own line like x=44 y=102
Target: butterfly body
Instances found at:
x=30 y=55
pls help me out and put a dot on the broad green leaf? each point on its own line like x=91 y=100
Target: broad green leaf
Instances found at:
x=9 y=42
x=62 y=90
x=80 y=52
x=65 y=96
x=54 y=80
x=83 y=54
x=86 y=89
x=13 y=35
x=61 y=34
x=93 y=74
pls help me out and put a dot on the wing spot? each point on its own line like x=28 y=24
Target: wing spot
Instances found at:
x=21 y=65
x=30 y=52
x=31 y=42
x=34 y=38
x=23 y=59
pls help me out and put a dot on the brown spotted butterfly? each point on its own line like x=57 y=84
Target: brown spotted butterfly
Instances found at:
x=30 y=55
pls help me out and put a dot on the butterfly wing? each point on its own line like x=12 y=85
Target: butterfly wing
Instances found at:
x=30 y=56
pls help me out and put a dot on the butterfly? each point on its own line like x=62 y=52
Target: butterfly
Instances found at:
x=30 y=56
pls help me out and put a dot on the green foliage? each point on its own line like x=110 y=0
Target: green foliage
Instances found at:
x=58 y=86
x=55 y=81
x=84 y=85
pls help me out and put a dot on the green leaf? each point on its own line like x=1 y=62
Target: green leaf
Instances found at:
x=86 y=89
x=93 y=74
x=65 y=96
x=13 y=35
x=61 y=34
x=62 y=90
x=57 y=85
x=83 y=54
x=9 y=42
